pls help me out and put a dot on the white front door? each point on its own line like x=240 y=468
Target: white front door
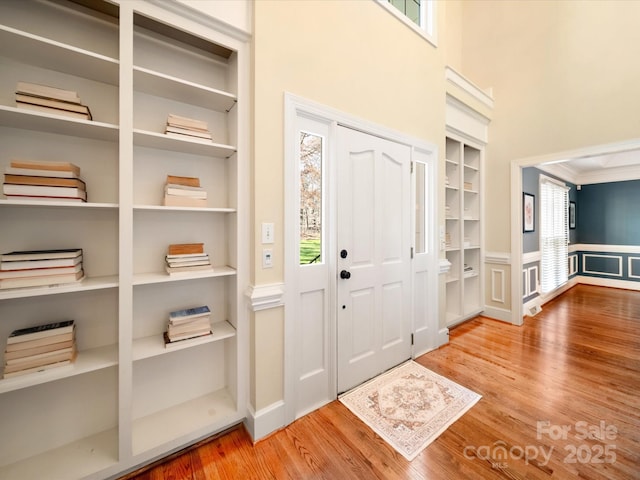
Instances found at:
x=373 y=291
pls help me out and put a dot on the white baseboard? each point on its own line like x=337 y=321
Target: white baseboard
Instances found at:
x=496 y=313
x=265 y=421
x=443 y=336
x=609 y=282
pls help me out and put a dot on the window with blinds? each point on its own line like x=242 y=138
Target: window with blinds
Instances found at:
x=554 y=233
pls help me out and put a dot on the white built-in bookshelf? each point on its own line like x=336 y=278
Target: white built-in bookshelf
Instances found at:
x=127 y=399
x=463 y=230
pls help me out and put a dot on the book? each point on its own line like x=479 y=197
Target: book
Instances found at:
x=182 y=248
x=190 y=257
x=28 y=101
x=53 y=111
x=41 y=331
x=189 y=313
x=39 y=190
x=36 y=272
x=44 y=181
x=185 y=122
x=188 y=263
x=48 y=166
x=184 y=131
x=52 y=103
x=187 y=181
x=41 y=173
x=28 y=352
x=180 y=201
x=29 y=264
x=41 y=358
x=40 y=281
x=32 y=198
x=47 y=91
x=41 y=368
x=56 y=339
x=183 y=191
x=41 y=254
x=195 y=326
x=185 y=256
x=168 y=343
x=186 y=270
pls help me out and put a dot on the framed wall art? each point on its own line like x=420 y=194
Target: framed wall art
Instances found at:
x=572 y=215
x=528 y=212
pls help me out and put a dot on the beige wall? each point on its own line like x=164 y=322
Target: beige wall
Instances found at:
x=564 y=74
x=350 y=55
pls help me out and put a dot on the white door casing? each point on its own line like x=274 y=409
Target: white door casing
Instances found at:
x=374 y=278
x=310 y=299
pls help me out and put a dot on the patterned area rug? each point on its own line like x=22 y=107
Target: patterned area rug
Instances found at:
x=409 y=406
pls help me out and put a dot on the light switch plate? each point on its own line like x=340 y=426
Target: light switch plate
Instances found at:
x=267 y=233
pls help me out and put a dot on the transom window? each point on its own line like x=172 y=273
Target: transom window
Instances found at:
x=410 y=8
x=419 y=14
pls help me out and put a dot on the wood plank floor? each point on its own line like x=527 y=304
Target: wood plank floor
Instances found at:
x=560 y=399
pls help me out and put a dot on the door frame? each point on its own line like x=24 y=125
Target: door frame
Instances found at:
x=516 y=166
x=296 y=107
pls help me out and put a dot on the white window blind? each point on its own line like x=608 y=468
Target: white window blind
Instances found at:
x=554 y=233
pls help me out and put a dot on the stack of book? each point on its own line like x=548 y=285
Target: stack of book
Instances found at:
x=44 y=98
x=187 y=324
x=184 y=258
x=183 y=127
x=184 y=192
x=37 y=268
x=40 y=348
x=44 y=181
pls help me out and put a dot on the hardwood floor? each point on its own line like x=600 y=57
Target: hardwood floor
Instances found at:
x=560 y=395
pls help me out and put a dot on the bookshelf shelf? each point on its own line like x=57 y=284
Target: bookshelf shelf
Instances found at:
x=153 y=345
x=87 y=361
x=161 y=208
x=161 y=277
x=23 y=119
x=57 y=56
x=161 y=141
x=208 y=412
x=54 y=204
x=87 y=284
x=78 y=459
x=156 y=83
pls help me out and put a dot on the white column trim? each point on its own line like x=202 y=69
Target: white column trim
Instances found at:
x=265 y=421
x=262 y=297
x=497 y=258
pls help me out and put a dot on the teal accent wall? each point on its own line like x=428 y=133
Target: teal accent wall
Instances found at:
x=609 y=213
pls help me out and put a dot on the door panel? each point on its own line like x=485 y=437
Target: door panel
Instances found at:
x=374 y=302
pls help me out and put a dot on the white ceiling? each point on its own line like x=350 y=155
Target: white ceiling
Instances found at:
x=613 y=167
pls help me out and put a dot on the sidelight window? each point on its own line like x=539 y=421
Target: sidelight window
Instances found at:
x=311 y=151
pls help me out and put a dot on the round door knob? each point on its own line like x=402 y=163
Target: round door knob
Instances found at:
x=344 y=274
